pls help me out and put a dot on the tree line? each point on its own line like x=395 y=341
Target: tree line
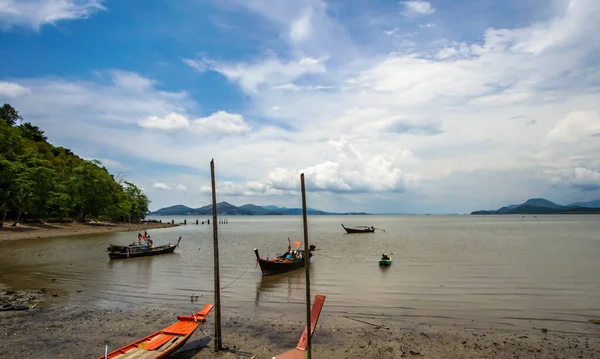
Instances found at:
x=39 y=181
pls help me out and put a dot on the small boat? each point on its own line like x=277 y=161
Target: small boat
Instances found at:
x=143 y=251
x=300 y=350
x=385 y=260
x=164 y=342
x=281 y=264
x=117 y=248
x=359 y=229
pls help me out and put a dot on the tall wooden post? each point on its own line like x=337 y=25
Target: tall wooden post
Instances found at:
x=218 y=340
x=307 y=268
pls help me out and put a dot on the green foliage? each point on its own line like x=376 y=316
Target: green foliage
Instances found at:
x=40 y=181
x=9 y=114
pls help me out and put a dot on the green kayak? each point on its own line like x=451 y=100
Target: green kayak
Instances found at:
x=385 y=261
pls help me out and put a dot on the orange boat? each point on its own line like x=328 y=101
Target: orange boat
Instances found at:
x=300 y=351
x=164 y=342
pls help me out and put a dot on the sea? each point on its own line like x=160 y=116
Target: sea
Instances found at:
x=504 y=272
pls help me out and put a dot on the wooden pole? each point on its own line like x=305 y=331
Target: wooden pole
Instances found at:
x=307 y=268
x=218 y=341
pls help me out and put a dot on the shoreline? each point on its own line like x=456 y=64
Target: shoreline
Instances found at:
x=49 y=230
x=65 y=329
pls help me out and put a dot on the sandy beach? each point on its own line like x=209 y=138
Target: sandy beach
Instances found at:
x=55 y=329
x=48 y=230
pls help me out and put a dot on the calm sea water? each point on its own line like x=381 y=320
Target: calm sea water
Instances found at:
x=501 y=270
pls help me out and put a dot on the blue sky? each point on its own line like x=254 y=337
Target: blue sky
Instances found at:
x=386 y=106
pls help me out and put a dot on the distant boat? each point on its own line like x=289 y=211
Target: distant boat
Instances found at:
x=300 y=351
x=281 y=264
x=141 y=251
x=359 y=229
x=385 y=260
x=164 y=342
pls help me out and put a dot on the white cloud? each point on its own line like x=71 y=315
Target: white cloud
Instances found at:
x=11 y=89
x=270 y=73
x=35 y=13
x=220 y=122
x=577 y=126
x=161 y=186
x=170 y=122
x=417 y=8
x=181 y=188
x=301 y=29
x=427 y=25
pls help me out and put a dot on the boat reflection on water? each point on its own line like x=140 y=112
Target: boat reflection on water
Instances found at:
x=270 y=287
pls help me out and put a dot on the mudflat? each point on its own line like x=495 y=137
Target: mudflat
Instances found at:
x=48 y=230
x=55 y=329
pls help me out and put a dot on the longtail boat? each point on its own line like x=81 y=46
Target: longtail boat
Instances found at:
x=143 y=251
x=359 y=229
x=164 y=342
x=282 y=263
x=300 y=350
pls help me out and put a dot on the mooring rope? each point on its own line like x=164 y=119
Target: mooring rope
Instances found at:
x=240 y=276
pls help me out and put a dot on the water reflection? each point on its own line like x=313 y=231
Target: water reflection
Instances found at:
x=290 y=283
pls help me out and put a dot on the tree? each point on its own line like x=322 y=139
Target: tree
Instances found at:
x=32 y=132
x=9 y=114
x=40 y=181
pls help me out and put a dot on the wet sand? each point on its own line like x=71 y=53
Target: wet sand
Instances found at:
x=53 y=329
x=48 y=230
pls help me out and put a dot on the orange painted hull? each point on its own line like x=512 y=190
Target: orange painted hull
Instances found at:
x=165 y=341
x=300 y=351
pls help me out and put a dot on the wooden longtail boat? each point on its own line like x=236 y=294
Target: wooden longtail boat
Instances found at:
x=281 y=264
x=143 y=251
x=164 y=342
x=118 y=248
x=359 y=229
x=300 y=350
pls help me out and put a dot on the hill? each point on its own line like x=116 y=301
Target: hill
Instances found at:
x=225 y=208
x=590 y=204
x=40 y=181
x=544 y=206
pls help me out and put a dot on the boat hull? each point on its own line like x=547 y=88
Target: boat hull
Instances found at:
x=277 y=266
x=164 y=342
x=359 y=230
x=151 y=252
x=385 y=262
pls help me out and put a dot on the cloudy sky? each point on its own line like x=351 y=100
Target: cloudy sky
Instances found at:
x=386 y=106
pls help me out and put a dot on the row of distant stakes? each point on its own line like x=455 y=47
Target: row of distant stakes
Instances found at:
x=221 y=221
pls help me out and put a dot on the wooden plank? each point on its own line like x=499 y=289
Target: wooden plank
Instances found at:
x=169 y=344
x=158 y=341
x=135 y=353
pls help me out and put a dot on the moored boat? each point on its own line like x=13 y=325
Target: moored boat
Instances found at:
x=164 y=342
x=359 y=229
x=300 y=351
x=143 y=250
x=283 y=263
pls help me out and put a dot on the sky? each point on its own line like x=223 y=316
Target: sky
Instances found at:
x=385 y=106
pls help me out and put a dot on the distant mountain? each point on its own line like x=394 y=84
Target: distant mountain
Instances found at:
x=544 y=206
x=225 y=208
x=222 y=208
x=256 y=210
x=590 y=204
x=174 y=210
